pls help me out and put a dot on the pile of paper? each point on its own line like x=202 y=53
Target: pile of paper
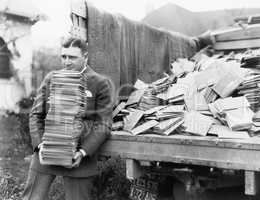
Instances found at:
x=206 y=96
x=151 y=111
x=62 y=129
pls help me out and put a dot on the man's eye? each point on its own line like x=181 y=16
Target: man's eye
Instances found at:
x=72 y=57
x=69 y=57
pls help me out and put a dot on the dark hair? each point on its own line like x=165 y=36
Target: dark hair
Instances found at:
x=75 y=42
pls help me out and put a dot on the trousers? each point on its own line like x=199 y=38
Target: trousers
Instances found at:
x=38 y=185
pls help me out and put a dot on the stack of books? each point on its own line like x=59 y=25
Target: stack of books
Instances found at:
x=149 y=100
x=174 y=94
x=62 y=128
x=233 y=111
x=250 y=87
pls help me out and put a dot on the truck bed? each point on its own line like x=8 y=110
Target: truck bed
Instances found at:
x=237 y=154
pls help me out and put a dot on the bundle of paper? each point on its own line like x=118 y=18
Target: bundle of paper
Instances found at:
x=250 y=88
x=117 y=125
x=170 y=111
x=207 y=78
x=196 y=101
x=196 y=123
x=162 y=84
x=251 y=62
x=229 y=103
x=166 y=127
x=226 y=133
x=175 y=93
x=182 y=66
x=227 y=84
x=209 y=94
x=131 y=120
x=148 y=100
x=62 y=129
x=140 y=85
x=144 y=127
x=134 y=98
x=256 y=117
x=119 y=108
x=240 y=118
x=153 y=110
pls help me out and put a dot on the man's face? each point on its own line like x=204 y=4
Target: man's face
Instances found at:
x=72 y=58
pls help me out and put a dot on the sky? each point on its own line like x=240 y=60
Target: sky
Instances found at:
x=48 y=33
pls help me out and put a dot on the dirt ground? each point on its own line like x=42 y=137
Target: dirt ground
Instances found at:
x=13 y=166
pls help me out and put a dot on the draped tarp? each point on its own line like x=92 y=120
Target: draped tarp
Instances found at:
x=126 y=50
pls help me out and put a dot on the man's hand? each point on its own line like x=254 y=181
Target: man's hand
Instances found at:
x=77 y=159
x=206 y=39
x=40 y=152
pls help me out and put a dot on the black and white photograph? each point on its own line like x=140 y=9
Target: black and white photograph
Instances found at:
x=129 y=100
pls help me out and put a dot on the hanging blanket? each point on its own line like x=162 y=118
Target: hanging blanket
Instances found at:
x=125 y=50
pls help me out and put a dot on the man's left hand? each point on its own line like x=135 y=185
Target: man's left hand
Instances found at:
x=77 y=159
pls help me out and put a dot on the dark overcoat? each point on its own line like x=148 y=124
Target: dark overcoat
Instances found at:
x=97 y=119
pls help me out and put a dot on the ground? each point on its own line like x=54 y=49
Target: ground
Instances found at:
x=13 y=166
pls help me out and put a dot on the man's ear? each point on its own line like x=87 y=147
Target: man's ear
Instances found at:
x=86 y=58
x=85 y=55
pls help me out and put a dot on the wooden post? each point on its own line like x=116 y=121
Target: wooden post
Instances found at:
x=251 y=182
x=133 y=169
x=78 y=17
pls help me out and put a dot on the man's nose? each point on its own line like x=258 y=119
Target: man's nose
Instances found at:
x=67 y=61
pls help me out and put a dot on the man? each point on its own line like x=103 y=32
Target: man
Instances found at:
x=97 y=123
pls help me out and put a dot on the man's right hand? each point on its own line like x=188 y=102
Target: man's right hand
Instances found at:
x=37 y=149
x=206 y=39
x=40 y=152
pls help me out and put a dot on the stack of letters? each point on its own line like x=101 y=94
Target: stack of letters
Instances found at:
x=62 y=128
x=250 y=87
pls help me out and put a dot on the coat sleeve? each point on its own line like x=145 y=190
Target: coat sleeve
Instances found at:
x=101 y=126
x=38 y=113
x=204 y=40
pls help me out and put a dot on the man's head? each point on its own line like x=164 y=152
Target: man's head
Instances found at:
x=74 y=53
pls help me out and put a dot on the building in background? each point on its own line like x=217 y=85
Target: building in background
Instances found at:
x=16 y=20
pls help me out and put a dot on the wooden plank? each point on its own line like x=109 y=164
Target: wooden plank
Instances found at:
x=238 y=44
x=82 y=22
x=79 y=28
x=238 y=33
x=133 y=169
x=252 y=186
x=250 y=143
x=185 y=153
x=79 y=7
